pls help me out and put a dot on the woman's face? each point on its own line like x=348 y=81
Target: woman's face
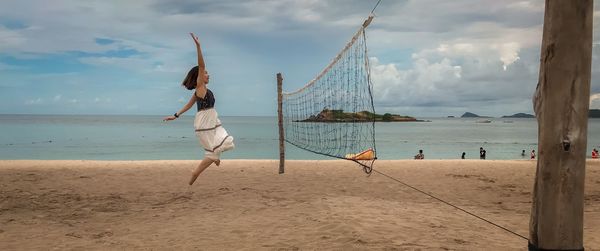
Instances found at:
x=204 y=77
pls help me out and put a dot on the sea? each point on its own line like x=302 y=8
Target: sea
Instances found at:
x=138 y=137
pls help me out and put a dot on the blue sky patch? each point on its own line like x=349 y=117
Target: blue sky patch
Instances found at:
x=12 y=24
x=104 y=41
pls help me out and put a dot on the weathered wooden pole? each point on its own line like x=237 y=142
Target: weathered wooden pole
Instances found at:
x=280 y=122
x=561 y=104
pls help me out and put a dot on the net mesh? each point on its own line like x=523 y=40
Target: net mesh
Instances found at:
x=333 y=114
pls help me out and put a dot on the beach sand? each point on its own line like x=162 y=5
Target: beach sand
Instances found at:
x=247 y=205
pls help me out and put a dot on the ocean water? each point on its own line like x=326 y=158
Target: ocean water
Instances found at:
x=136 y=137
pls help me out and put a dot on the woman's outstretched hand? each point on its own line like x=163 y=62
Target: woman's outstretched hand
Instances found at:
x=169 y=118
x=195 y=39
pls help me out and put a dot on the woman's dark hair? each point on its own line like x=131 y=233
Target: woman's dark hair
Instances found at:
x=190 y=80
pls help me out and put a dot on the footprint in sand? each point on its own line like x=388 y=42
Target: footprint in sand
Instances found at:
x=459 y=241
x=73 y=235
x=592 y=197
x=432 y=225
x=32 y=177
x=488 y=180
x=103 y=234
x=175 y=200
x=359 y=241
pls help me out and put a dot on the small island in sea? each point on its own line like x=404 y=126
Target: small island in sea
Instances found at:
x=520 y=115
x=364 y=116
x=472 y=115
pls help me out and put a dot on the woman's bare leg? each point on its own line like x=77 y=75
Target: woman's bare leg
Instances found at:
x=203 y=165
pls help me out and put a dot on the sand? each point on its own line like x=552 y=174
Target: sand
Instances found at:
x=247 y=205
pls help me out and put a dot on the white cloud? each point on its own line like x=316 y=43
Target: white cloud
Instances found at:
x=595 y=101
x=472 y=76
x=128 y=63
x=73 y=101
x=509 y=53
x=181 y=100
x=465 y=54
x=57 y=98
x=10 y=38
x=425 y=83
x=99 y=100
x=37 y=101
x=533 y=6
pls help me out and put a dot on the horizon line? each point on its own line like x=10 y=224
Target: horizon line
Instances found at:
x=104 y=114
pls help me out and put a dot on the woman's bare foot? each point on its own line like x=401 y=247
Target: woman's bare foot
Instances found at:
x=218 y=162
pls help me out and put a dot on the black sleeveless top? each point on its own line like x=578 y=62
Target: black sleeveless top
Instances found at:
x=207 y=102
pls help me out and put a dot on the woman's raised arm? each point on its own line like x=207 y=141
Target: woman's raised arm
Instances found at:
x=200 y=80
x=201 y=64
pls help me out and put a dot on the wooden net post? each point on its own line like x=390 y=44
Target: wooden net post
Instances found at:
x=280 y=122
x=561 y=104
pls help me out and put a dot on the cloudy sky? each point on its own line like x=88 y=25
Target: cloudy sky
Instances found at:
x=428 y=58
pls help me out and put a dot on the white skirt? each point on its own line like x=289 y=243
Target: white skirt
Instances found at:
x=211 y=134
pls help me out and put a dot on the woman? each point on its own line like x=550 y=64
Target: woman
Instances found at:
x=212 y=136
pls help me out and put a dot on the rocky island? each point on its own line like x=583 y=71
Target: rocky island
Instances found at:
x=520 y=115
x=472 y=115
x=364 y=116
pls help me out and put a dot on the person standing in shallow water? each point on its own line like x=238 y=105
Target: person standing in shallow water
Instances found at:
x=481 y=153
x=532 y=154
x=420 y=155
x=209 y=131
x=463 y=155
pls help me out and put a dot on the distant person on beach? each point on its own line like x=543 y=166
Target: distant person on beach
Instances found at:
x=212 y=136
x=594 y=154
x=420 y=155
x=523 y=153
x=463 y=155
x=532 y=154
x=481 y=153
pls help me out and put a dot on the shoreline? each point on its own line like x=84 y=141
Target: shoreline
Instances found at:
x=246 y=204
x=324 y=160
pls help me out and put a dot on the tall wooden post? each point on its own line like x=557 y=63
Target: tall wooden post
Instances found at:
x=280 y=122
x=561 y=104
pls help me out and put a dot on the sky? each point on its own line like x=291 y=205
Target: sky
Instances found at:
x=428 y=58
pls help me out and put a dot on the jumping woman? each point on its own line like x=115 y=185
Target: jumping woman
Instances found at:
x=212 y=136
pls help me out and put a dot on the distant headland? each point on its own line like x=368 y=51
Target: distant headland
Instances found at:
x=327 y=115
x=519 y=115
x=472 y=115
x=593 y=113
x=364 y=116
